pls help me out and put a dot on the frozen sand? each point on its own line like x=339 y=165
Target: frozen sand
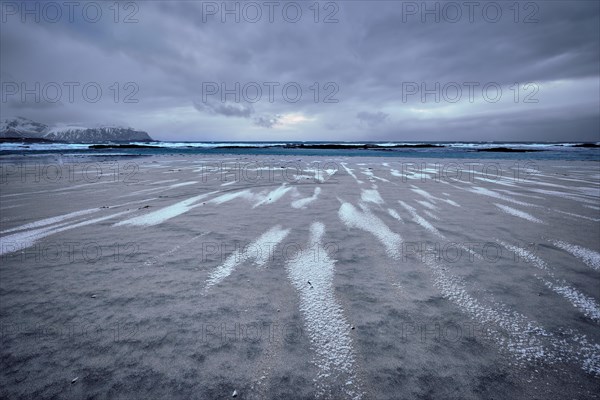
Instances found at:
x=372 y=281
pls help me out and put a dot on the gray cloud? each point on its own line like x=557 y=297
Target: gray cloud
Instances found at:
x=225 y=109
x=372 y=119
x=371 y=53
x=267 y=121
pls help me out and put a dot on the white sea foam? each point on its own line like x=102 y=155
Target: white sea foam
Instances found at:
x=258 y=252
x=518 y=213
x=366 y=221
x=324 y=319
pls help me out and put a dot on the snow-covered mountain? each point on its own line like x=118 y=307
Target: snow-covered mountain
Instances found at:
x=23 y=128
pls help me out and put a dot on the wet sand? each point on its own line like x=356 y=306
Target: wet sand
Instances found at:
x=299 y=277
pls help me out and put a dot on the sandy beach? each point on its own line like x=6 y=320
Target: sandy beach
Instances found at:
x=293 y=277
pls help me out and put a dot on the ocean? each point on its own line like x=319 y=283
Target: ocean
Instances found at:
x=479 y=150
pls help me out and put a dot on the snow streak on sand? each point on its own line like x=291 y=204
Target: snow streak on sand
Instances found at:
x=427 y=204
x=590 y=257
x=585 y=304
x=512 y=193
x=247 y=194
x=51 y=220
x=23 y=240
x=431 y=215
x=182 y=184
x=526 y=340
x=351 y=173
x=569 y=196
x=164 y=181
x=432 y=198
x=451 y=202
x=395 y=214
x=258 y=251
x=273 y=196
x=497 y=182
x=395 y=172
x=511 y=330
x=577 y=215
x=324 y=319
x=424 y=193
x=518 y=213
x=420 y=220
x=491 y=193
x=372 y=196
x=366 y=221
x=166 y=213
x=302 y=203
x=372 y=176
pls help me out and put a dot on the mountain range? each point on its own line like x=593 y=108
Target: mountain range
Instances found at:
x=20 y=128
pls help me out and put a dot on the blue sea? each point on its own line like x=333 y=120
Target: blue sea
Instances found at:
x=535 y=151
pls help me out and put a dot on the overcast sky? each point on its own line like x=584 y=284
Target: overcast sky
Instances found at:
x=361 y=67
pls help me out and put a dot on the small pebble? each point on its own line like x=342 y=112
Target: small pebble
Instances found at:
x=234 y=393
x=93 y=296
x=74 y=380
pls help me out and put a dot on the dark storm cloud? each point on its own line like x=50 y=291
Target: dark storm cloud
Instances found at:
x=366 y=61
